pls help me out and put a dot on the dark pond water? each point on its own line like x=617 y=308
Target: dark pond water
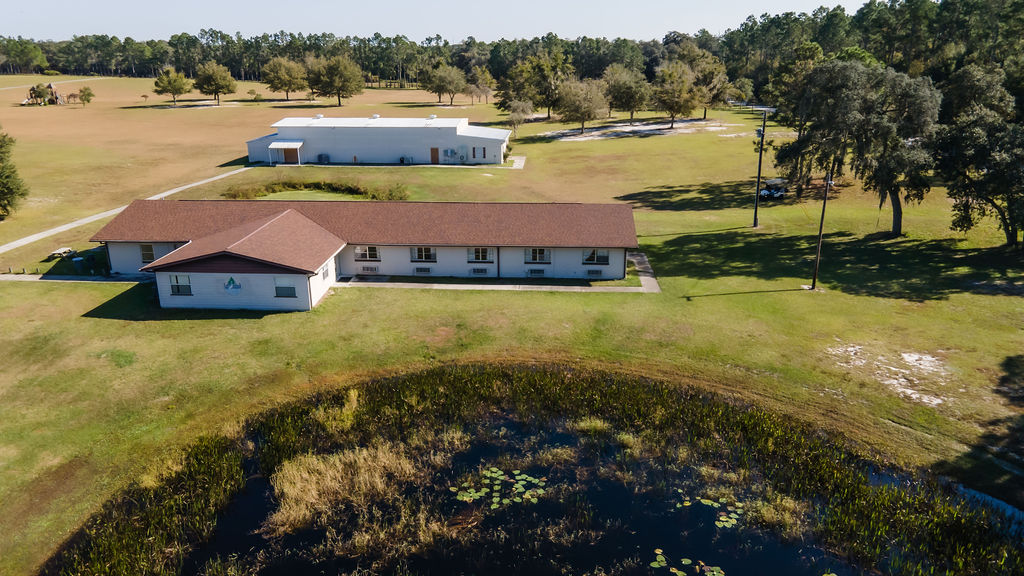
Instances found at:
x=623 y=527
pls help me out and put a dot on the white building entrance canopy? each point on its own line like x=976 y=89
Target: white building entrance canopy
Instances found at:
x=289 y=150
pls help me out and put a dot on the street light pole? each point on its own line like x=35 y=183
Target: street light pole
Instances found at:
x=760 y=153
x=821 y=225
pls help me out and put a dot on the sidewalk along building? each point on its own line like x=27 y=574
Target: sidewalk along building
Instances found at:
x=284 y=255
x=377 y=140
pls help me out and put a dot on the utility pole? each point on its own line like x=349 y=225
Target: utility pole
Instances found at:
x=821 y=225
x=760 y=153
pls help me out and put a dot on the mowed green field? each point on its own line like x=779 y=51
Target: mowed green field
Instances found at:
x=81 y=160
x=903 y=350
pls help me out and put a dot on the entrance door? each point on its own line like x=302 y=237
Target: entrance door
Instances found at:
x=434 y=156
x=291 y=156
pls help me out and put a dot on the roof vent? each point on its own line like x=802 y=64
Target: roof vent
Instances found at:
x=432 y=117
x=318 y=117
x=375 y=116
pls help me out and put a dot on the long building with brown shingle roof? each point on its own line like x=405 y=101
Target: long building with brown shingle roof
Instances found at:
x=264 y=254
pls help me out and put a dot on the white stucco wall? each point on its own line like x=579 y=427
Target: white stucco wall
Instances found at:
x=397 y=261
x=565 y=263
x=320 y=283
x=348 y=145
x=257 y=292
x=126 y=257
x=258 y=151
x=453 y=261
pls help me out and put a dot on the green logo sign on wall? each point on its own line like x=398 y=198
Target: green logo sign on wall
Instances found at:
x=232 y=287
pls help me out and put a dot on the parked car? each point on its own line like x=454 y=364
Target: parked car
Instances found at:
x=774 y=189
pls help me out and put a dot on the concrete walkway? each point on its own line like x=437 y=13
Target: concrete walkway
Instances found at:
x=648 y=283
x=518 y=162
x=122 y=278
x=360 y=283
x=643 y=269
x=83 y=221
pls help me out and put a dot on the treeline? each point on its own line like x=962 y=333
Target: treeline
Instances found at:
x=895 y=93
x=917 y=37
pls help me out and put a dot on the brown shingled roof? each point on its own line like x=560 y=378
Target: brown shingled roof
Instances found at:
x=286 y=239
x=388 y=223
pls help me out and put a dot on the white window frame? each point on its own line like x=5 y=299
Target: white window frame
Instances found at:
x=367 y=254
x=423 y=254
x=142 y=253
x=595 y=257
x=286 y=283
x=530 y=255
x=472 y=255
x=181 y=284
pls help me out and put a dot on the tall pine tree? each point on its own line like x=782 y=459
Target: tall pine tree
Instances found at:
x=12 y=188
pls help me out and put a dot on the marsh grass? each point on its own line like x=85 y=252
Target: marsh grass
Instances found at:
x=405 y=440
x=395 y=191
x=310 y=487
x=785 y=516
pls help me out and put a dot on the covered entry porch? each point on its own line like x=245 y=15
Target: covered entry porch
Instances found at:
x=285 y=152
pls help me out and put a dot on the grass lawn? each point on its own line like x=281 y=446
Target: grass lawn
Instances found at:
x=904 y=349
x=79 y=160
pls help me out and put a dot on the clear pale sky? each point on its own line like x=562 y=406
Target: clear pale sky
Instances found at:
x=416 y=19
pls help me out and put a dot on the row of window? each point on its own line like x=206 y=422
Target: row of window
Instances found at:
x=480 y=255
x=181 y=285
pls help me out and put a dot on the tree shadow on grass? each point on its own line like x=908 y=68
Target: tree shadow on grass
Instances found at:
x=140 y=304
x=455 y=106
x=713 y=196
x=995 y=464
x=503 y=124
x=915 y=270
x=534 y=139
x=706 y=196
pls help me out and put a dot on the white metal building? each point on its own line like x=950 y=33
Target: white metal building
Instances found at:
x=284 y=255
x=376 y=140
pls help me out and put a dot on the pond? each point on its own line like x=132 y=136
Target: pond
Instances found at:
x=487 y=469
x=509 y=498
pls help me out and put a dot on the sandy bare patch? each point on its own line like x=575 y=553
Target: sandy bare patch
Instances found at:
x=624 y=130
x=441 y=336
x=907 y=374
x=7 y=453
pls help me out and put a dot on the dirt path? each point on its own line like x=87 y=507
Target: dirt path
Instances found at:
x=24 y=86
